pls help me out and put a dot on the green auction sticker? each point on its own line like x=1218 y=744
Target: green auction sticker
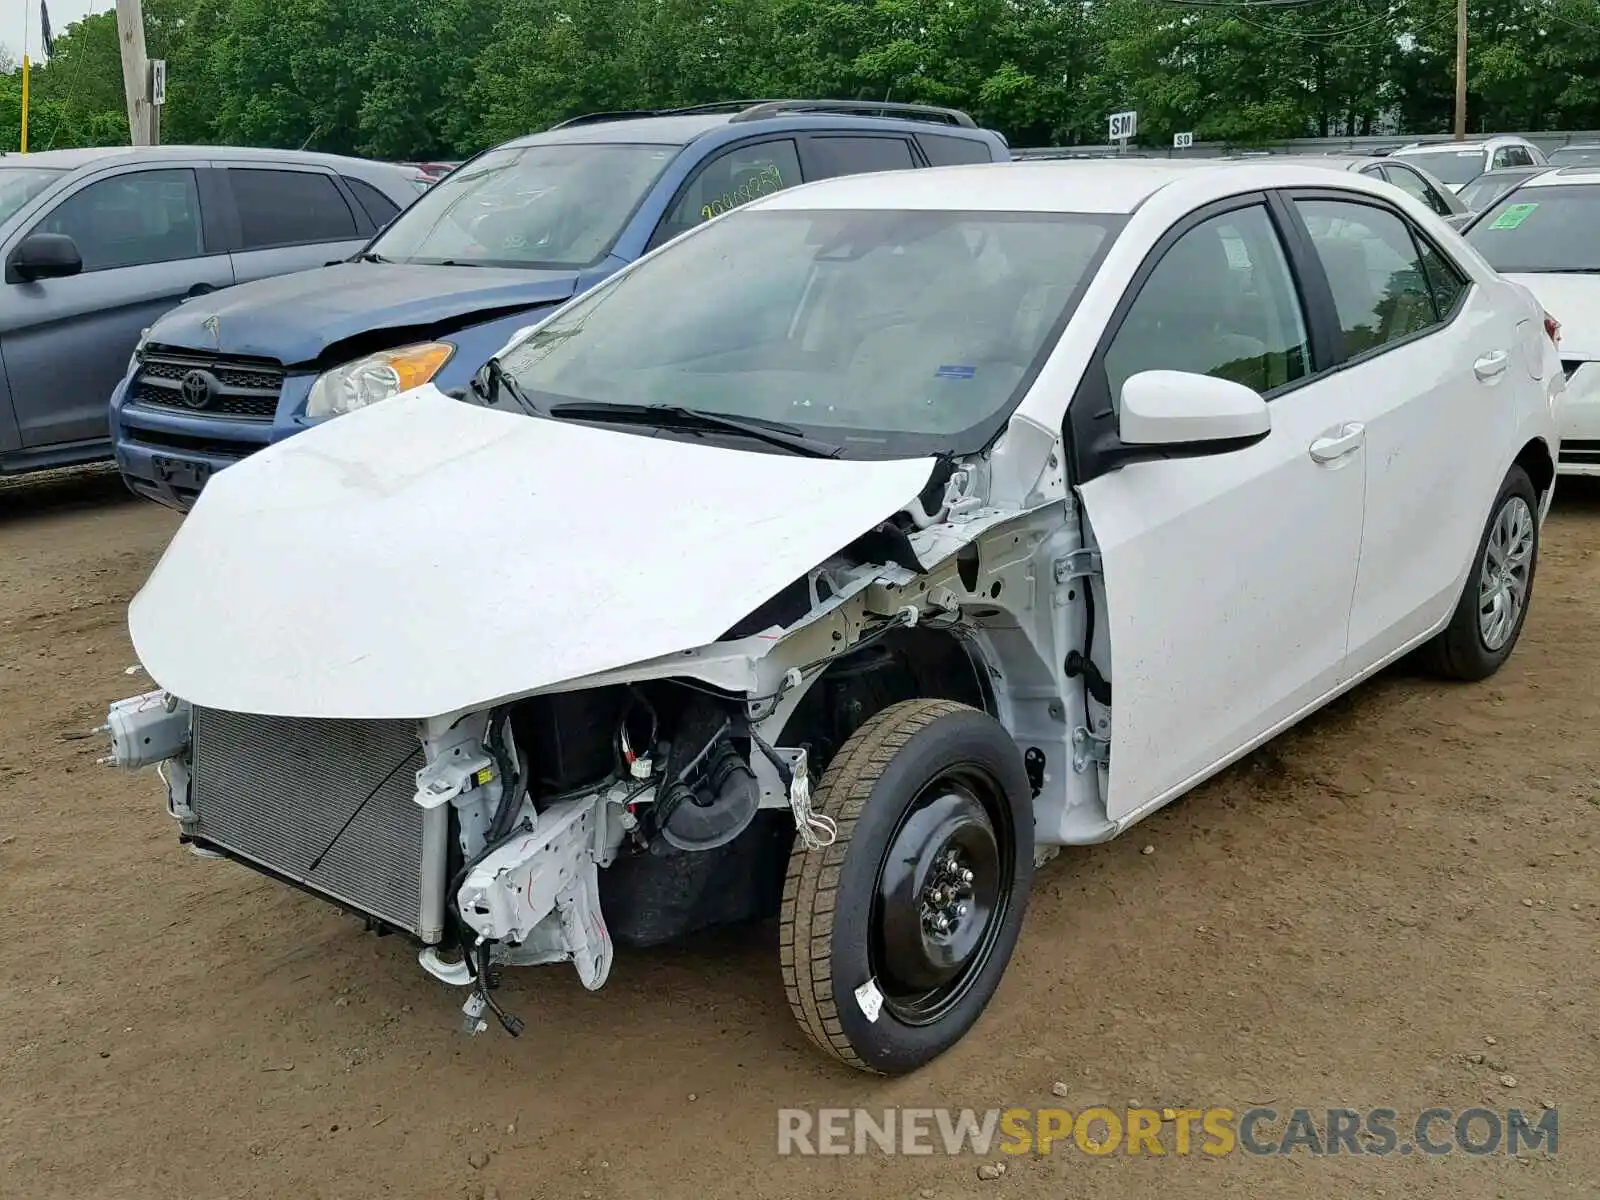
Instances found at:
x=1513 y=216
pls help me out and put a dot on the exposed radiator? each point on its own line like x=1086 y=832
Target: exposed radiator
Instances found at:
x=275 y=791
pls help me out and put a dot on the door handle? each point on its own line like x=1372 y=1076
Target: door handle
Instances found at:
x=1491 y=364
x=1331 y=447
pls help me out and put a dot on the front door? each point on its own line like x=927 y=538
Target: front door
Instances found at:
x=141 y=239
x=1228 y=577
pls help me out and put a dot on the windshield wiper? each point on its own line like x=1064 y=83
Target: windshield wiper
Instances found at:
x=492 y=380
x=369 y=256
x=675 y=416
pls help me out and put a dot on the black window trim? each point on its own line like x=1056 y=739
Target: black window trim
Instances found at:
x=211 y=245
x=362 y=225
x=658 y=235
x=1092 y=448
x=1337 y=361
x=347 y=184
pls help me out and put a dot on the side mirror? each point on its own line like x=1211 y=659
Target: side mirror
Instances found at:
x=46 y=256
x=1179 y=410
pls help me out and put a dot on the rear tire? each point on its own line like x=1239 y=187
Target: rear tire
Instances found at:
x=920 y=896
x=1494 y=603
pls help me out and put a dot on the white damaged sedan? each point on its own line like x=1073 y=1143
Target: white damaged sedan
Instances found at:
x=841 y=560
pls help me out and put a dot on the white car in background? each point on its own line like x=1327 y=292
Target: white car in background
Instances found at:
x=843 y=557
x=1459 y=163
x=1545 y=234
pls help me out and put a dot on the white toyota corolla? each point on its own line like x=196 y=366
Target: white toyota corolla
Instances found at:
x=1545 y=234
x=844 y=558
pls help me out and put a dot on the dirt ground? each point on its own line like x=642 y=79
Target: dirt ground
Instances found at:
x=1406 y=883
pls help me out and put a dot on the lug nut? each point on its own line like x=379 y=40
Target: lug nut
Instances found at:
x=966 y=876
x=942 y=923
x=961 y=910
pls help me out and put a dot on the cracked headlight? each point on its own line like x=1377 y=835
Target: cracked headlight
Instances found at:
x=376 y=377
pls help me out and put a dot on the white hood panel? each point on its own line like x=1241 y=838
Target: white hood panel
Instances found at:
x=1574 y=300
x=427 y=556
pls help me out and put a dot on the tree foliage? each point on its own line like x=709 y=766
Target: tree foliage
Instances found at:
x=444 y=78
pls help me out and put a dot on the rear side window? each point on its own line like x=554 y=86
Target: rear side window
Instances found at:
x=946 y=151
x=833 y=156
x=379 y=207
x=1445 y=279
x=1380 y=290
x=289 y=208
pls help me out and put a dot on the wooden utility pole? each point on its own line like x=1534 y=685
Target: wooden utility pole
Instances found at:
x=1461 y=70
x=136 y=73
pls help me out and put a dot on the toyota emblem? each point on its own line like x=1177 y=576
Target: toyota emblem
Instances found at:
x=197 y=387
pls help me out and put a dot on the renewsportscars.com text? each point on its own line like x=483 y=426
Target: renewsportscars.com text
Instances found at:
x=1099 y=1130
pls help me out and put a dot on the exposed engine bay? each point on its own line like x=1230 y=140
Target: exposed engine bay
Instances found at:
x=644 y=803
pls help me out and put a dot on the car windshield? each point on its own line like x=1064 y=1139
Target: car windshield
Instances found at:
x=1573 y=156
x=560 y=206
x=18 y=185
x=1542 y=229
x=883 y=333
x=1486 y=189
x=1448 y=166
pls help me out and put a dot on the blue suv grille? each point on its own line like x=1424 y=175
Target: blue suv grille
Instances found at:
x=180 y=381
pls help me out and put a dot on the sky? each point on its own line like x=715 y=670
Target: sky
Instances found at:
x=62 y=14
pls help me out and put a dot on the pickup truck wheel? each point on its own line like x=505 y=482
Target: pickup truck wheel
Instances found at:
x=893 y=939
x=1494 y=603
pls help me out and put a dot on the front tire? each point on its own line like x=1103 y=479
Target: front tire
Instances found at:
x=1494 y=603
x=893 y=939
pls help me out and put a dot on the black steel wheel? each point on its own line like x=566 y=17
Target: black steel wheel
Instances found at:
x=894 y=938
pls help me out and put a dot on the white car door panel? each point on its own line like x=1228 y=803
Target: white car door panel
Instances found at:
x=1432 y=362
x=1228 y=583
x=1227 y=576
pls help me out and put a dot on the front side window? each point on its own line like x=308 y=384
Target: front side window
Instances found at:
x=1454 y=167
x=558 y=206
x=1380 y=290
x=730 y=180
x=131 y=220
x=18 y=185
x=289 y=208
x=1219 y=302
x=886 y=333
x=1539 y=229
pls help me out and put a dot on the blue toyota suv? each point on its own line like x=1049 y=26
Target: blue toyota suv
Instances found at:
x=500 y=240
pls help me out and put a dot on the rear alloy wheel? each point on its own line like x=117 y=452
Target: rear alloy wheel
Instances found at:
x=1494 y=603
x=894 y=938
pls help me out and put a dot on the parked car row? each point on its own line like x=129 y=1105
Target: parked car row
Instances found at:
x=100 y=243
x=498 y=241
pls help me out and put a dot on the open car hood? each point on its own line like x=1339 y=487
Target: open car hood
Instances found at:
x=426 y=556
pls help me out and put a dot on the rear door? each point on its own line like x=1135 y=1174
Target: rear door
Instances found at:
x=1424 y=363
x=290 y=218
x=146 y=245
x=1227 y=577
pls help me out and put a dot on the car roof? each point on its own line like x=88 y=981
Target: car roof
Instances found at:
x=1555 y=176
x=1054 y=185
x=669 y=128
x=71 y=160
x=1341 y=162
